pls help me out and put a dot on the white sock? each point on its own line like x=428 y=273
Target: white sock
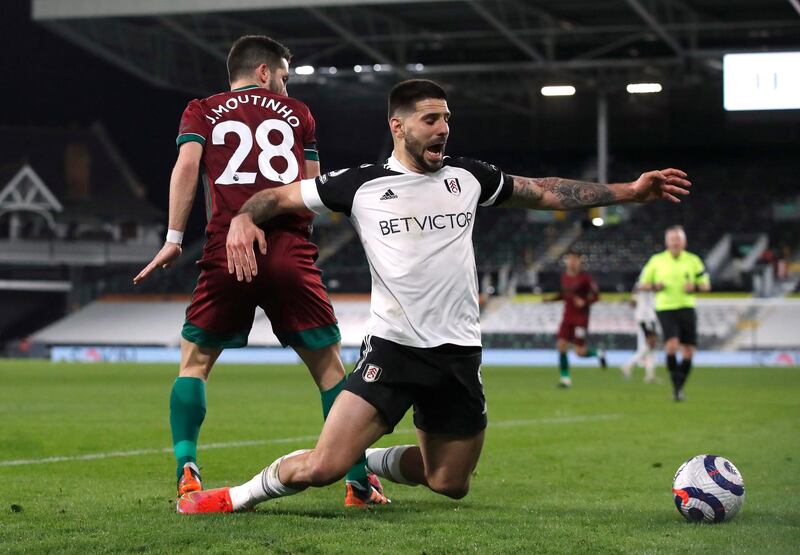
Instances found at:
x=264 y=485
x=627 y=368
x=641 y=356
x=650 y=366
x=385 y=462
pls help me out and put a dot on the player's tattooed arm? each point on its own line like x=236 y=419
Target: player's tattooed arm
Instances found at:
x=268 y=203
x=262 y=206
x=243 y=232
x=557 y=193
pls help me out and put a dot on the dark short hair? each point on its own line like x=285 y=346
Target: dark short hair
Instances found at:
x=250 y=51
x=573 y=252
x=406 y=94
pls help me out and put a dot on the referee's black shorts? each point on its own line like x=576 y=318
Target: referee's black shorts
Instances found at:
x=442 y=383
x=680 y=323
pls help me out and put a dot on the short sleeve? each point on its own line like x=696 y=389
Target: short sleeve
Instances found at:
x=496 y=186
x=648 y=272
x=194 y=126
x=311 y=198
x=310 y=148
x=332 y=192
x=701 y=276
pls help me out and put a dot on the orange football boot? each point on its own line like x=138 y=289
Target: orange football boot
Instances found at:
x=375 y=482
x=190 y=480
x=208 y=501
x=357 y=497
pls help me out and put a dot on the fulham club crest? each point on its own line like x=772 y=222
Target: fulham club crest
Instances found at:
x=453 y=186
x=371 y=373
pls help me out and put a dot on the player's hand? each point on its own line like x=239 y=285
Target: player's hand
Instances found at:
x=168 y=254
x=239 y=246
x=579 y=302
x=658 y=286
x=689 y=287
x=669 y=184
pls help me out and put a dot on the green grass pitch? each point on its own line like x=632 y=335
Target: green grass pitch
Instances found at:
x=587 y=470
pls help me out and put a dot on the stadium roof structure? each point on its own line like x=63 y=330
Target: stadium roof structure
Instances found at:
x=498 y=52
x=75 y=174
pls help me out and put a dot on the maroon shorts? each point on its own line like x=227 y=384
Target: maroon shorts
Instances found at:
x=575 y=333
x=288 y=287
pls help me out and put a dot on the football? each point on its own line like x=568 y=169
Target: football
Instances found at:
x=708 y=488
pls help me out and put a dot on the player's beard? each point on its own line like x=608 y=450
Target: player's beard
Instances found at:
x=277 y=86
x=416 y=149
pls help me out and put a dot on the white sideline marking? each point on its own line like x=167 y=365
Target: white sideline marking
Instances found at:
x=553 y=420
x=137 y=452
x=254 y=442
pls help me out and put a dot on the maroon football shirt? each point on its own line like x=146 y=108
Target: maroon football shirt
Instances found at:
x=580 y=285
x=252 y=139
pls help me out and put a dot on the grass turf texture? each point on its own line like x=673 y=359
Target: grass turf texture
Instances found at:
x=583 y=470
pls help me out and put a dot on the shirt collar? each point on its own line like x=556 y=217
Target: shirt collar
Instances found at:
x=395 y=165
x=245 y=88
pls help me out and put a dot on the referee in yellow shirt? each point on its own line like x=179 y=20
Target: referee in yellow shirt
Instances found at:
x=676 y=275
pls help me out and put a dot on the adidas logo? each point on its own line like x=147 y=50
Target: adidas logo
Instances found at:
x=388 y=195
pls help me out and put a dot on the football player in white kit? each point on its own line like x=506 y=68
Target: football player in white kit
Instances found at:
x=646 y=334
x=414 y=216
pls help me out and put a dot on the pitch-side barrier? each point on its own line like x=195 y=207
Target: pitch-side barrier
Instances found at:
x=491 y=357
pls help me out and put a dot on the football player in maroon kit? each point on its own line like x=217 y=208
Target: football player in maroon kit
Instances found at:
x=239 y=142
x=579 y=292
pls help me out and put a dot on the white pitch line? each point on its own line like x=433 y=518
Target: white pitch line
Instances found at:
x=554 y=420
x=138 y=452
x=256 y=442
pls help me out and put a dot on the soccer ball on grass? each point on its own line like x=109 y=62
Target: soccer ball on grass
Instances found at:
x=708 y=488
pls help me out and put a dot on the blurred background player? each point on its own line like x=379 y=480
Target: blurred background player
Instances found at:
x=646 y=335
x=578 y=291
x=251 y=138
x=676 y=275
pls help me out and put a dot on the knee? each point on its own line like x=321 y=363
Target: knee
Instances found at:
x=453 y=487
x=196 y=361
x=321 y=472
x=195 y=367
x=325 y=365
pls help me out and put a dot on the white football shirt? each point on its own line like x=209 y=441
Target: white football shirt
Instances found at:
x=416 y=230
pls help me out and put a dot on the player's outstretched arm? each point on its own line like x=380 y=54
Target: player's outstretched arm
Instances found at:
x=557 y=193
x=182 y=188
x=243 y=231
